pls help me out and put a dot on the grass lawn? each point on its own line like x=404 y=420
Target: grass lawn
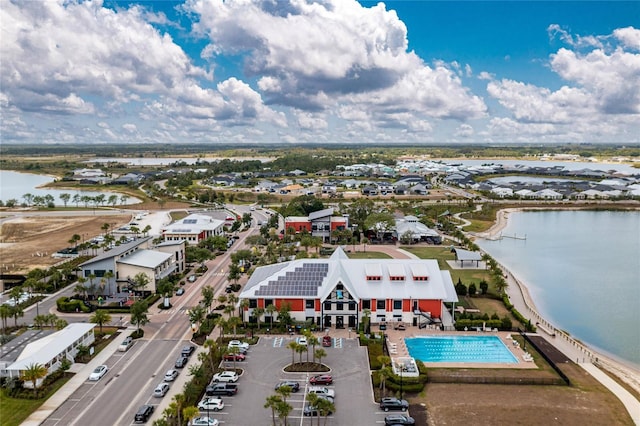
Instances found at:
x=16 y=410
x=368 y=255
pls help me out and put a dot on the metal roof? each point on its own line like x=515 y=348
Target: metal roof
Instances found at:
x=146 y=258
x=44 y=350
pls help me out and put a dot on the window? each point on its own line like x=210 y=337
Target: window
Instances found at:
x=339 y=295
x=366 y=304
x=397 y=304
x=268 y=302
x=374 y=278
x=327 y=306
x=380 y=305
x=339 y=306
x=253 y=303
x=309 y=304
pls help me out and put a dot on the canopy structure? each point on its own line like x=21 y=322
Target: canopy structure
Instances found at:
x=467 y=256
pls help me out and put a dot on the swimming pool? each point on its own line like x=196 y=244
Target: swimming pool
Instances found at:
x=477 y=349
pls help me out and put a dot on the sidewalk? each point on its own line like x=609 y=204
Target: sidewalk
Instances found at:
x=58 y=398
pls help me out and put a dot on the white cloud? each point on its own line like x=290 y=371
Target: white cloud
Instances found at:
x=309 y=121
x=629 y=37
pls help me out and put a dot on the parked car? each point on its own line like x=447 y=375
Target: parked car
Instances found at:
x=322 y=390
x=187 y=350
x=322 y=379
x=399 y=419
x=226 y=376
x=295 y=386
x=302 y=341
x=180 y=291
x=191 y=278
x=99 y=371
x=387 y=404
x=310 y=410
x=238 y=344
x=181 y=361
x=211 y=403
x=234 y=357
x=126 y=344
x=143 y=414
x=227 y=389
x=161 y=390
x=204 y=421
x=171 y=375
x=327 y=341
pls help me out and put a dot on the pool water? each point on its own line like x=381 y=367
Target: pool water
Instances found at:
x=476 y=349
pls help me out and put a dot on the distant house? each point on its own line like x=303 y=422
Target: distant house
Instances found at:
x=319 y=224
x=418 y=231
x=51 y=350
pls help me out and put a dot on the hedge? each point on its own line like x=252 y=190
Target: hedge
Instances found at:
x=65 y=304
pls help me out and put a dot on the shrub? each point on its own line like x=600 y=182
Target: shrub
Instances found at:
x=65 y=304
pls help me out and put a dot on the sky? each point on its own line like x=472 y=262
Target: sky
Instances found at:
x=239 y=72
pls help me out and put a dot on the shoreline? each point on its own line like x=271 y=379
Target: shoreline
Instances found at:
x=518 y=293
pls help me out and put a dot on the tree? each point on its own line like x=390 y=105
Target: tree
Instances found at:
x=300 y=349
x=472 y=289
x=293 y=345
x=208 y=295
x=5 y=313
x=366 y=317
x=381 y=223
x=33 y=373
x=197 y=315
x=65 y=197
x=384 y=374
x=258 y=313
x=283 y=409
x=140 y=281
x=190 y=412
x=325 y=407
x=272 y=402
x=80 y=288
x=100 y=317
x=16 y=311
x=271 y=309
x=319 y=354
x=484 y=286
x=40 y=321
x=213 y=348
x=139 y=314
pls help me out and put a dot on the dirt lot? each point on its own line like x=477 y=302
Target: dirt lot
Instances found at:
x=585 y=402
x=28 y=243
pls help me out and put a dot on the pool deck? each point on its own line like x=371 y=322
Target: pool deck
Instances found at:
x=398 y=349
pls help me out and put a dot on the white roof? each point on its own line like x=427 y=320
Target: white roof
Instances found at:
x=146 y=258
x=44 y=350
x=352 y=274
x=193 y=224
x=411 y=224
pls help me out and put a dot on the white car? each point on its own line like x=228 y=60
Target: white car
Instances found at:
x=97 y=374
x=238 y=344
x=204 y=421
x=211 y=403
x=161 y=390
x=126 y=344
x=302 y=341
x=226 y=376
x=322 y=391
x=171 y=375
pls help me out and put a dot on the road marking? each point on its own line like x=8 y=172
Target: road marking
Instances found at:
x=277 y=342
x=338 y=342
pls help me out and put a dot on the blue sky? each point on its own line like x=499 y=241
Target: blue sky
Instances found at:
x=331 y=71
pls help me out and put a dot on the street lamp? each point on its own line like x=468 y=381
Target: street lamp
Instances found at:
x=401 y=368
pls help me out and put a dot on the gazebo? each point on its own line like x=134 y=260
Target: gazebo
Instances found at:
x=467 y=256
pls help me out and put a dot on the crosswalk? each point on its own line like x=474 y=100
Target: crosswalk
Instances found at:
x=337 y=342
x=278 y=341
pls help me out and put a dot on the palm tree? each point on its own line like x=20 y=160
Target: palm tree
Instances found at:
x=283 y=409
x=234 y=322
x=243 y=306
x=302 y=349
x=319 y=353
x=190 y=412
x=80 y=288
x=33 y=373
x=312 y=399
x=208 y=296
x=140 y=281
x=213 y=348
x=16 y=311
x=272 y=402
x=271 y=309
x=5 y=313
x=324 y=407
x=258 y=313
x=384 y=374
x=100 y=317
x=221 y=323
x=293 y=345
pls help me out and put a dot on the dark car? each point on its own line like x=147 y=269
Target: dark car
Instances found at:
x=399 y=419
x=181 y=361
x=187 y=350
x=322 y=379
x=143 y=414
x=295 y=386
x=234 y=357
x=387 y=404
x=310 y=410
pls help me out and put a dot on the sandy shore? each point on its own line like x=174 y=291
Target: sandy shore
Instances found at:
x=519 y=295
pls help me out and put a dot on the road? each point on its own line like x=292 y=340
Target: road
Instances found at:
x=133 y=375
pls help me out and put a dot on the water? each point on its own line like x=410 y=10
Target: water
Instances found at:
x=14 y=185
x=582 y=269
x=478 y=349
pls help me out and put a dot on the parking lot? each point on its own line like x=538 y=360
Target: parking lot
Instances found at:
x=263 y=369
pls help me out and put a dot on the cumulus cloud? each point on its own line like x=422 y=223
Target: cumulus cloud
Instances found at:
x=316 y=56
x=601 y=97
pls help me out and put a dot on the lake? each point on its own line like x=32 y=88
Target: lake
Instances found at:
x=15 y=185
x=582 y=269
